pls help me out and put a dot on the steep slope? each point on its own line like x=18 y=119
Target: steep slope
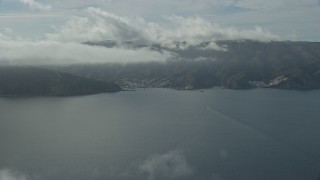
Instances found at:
x=243 y=64
x=31 y=81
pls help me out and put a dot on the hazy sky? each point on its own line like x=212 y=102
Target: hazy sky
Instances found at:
x=34 y=19
x=34 y=28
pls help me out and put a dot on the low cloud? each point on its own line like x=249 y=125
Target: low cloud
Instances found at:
x=7 y=174
x=215 y=46
x=6 y=34
x=101 y=25
x=172 y=165
x=4 y=37
x=49 y=52
x=97 y=25
x=63 y=46
x=35 y=5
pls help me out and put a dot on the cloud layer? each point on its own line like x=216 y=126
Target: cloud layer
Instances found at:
x=63 y=46
x=281 y=17
x=47 y=52
x=101 y=25
x=95 y=24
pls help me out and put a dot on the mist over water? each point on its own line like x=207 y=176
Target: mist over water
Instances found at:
x=157 y=134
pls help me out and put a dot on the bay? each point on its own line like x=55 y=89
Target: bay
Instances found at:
x=152 y=134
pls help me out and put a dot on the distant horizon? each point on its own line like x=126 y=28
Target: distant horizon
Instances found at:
x=35 y=28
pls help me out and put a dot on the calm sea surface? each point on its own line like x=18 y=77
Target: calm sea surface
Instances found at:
x=158 y=134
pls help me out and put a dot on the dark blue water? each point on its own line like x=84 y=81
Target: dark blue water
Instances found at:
x=153 y=134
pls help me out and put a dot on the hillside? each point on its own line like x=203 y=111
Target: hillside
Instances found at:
x=31 y=81
x=243 y=64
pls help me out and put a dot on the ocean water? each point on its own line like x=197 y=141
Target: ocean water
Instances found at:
x=157 y=134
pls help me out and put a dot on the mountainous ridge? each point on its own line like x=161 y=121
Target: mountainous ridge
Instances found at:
x=240 y=64
x=34 y=81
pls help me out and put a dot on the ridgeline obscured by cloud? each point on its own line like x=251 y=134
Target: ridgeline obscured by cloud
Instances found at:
x=49 y=52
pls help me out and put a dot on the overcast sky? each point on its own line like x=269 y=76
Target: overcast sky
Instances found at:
x=28 y=27
x=34 y=19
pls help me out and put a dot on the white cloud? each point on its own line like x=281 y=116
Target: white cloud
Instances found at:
x=102 y=25
x=271 y=14
x=215 y=46
x=48 y=52
x=4 y=37
x=171 y=165
x=7 y=174
x=196 y=30
x=6 y=34
x=97 y=25
x=36 y=5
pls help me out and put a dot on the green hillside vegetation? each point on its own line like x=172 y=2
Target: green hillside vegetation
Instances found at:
x=31 y=81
